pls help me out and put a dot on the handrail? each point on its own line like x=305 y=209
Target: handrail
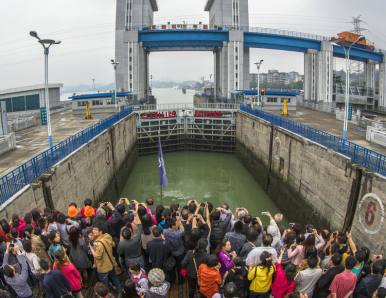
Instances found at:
x=187 y=106
x=367 y=158
x=14 y=180
x=262 y=30
x=206 y=27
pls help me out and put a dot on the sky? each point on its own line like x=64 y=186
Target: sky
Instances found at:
x=86 y=29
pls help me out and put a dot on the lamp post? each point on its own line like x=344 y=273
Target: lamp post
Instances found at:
x=46 y=44
x=115 y=64
x=258 y=64
x=347 y=89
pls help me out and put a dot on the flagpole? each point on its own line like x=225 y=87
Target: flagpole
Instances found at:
x=161 y=196
x=159 y=139
x=161 y=164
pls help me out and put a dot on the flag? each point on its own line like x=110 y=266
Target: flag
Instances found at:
x=163 y=178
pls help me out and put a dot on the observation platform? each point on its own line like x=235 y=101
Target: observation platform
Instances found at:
x=34 y=140
x=327 y=122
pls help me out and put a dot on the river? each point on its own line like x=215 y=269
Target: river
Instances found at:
x=171 y=95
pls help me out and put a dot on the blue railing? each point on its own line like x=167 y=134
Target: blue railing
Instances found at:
x=23 y=175
x=369 y=159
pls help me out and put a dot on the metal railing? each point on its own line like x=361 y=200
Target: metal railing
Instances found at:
x=206 y=27
x=367 y=158
x=187 y=106
x=14 y=180
x=286 y=33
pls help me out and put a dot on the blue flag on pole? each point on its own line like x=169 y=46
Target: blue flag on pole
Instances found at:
x=163 y=178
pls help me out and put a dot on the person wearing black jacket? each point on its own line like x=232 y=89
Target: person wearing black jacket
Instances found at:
x=192 y=260
x=368 y=284
x=322 y=287
x=220 y=223
x=55 y=285
x=158 y=249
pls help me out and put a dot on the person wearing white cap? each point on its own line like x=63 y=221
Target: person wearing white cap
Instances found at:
x=159 y=288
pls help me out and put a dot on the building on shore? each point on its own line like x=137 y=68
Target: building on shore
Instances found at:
x=30 y=98
x=270 y=100
x=273 y=76
x=98 y=102
x=26 y=107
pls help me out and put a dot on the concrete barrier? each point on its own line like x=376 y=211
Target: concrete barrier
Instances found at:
x=88 y=172
x=7 y=143
x=312 y=183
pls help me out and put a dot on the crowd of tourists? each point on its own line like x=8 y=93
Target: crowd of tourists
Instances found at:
x=137 y=249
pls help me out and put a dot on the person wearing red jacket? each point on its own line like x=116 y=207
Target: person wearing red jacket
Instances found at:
x=284 y=279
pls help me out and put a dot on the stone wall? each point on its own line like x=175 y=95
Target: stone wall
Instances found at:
x=309 y=182
x=97 y=168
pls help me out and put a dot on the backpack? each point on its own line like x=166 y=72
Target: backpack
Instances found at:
x=217 y=232
x=176 y=245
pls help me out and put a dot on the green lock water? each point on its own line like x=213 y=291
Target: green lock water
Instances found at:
x=213 y=177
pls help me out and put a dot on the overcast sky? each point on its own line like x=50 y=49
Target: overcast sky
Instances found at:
x=86 y=28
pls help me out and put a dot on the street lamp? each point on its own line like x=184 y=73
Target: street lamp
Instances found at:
x=347 y=90
x=115 y=65
x=258 y=64
x=46 y=43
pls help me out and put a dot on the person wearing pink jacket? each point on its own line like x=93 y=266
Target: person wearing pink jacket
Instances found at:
x=284 y=283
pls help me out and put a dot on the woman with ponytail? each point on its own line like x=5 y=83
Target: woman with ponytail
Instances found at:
x=238 y=275
x=261 y=276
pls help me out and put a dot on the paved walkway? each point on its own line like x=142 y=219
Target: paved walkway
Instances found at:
x=33 y=140
x=327 y=122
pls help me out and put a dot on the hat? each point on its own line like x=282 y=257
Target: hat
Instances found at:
x=89 y=211
x=72 y=211
x=101 y=212
x=241 y=214
x=156 y=276
x=309 y=226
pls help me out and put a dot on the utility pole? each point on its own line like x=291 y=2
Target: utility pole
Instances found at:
x=115 y=64
x=347 y=50
x=46 y=44
x=258 y=64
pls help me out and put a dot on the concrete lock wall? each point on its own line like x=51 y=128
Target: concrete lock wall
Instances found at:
x=97 y=168
x=311 y=183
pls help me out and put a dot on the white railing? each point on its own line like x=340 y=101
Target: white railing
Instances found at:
x=286 y=33
x=187 y=106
